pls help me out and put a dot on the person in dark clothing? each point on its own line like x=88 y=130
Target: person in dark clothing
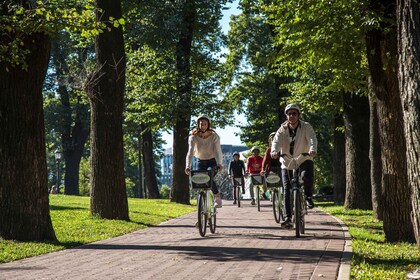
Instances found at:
x=236 y=170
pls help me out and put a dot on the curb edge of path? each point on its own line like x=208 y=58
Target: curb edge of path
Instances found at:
x=345 y=260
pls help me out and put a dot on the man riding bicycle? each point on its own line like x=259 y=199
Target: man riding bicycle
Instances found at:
x=236 y=170
x=293 y=138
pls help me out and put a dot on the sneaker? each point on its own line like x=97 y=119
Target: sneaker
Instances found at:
x=253 y=202
x=234 y=202
x=218 y=201
x=287 y=223
x=264 y=196
x=414 y=275
x=310 y=203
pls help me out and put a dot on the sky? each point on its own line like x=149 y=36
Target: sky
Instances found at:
x=227 y=135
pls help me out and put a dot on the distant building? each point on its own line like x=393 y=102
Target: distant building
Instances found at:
x=166 y=161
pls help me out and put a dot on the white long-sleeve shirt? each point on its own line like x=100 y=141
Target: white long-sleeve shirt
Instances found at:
x=305 y=141
x=204 y=148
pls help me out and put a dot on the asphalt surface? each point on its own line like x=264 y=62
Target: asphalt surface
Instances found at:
x=247 y=245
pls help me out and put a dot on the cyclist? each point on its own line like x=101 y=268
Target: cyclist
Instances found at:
x=253 y=167
x=269 y=164
x=293 y=138
x=204 y=144
x=236 y=170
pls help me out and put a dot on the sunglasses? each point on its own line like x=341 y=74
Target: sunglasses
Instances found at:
x=292 y=114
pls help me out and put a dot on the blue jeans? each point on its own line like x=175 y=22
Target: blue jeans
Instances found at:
x=204 y=165
x=306 y=170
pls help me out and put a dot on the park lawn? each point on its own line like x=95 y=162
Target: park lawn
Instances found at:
x=74 y=225
x=373 y=258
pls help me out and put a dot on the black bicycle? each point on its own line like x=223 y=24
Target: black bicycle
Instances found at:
x=257 y=183
x=202 y=181
x=298 y=196
x=238 y=185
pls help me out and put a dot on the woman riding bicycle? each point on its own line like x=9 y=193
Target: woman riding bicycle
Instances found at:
x=293 y=138
x=204 y=144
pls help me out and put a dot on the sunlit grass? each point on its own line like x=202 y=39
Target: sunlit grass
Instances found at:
x=73 y=224
x=373 y=257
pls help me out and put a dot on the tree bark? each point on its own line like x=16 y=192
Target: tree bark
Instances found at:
x=339 y=161
x=356 y=121
x=180 y=187
x=24 y=206
x=149 y=164
x=375 y=162
x=106 y=95
x=140 y=168
x=409 y=81
x=382 y=55
x=73 y=138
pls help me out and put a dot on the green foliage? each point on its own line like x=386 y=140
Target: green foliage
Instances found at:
x=165 y=191
x=373 y=258
x=74 y=225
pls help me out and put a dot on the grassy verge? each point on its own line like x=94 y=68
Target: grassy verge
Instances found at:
x=74 y=225
x=373 y=257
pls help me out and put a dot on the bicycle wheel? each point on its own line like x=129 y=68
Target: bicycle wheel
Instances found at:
x=297 y=211
x=302 y=214
x=202 y=215
x=277 y=206
x=238 y=195
x=258 y=198
x=212 y=220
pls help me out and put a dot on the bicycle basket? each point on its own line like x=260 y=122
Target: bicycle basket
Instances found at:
x=256 y=179
x=200 y=179
x=238 y=181
x=273 y=179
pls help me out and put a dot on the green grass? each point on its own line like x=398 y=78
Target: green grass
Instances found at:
x=373 y=257
x=74 y=225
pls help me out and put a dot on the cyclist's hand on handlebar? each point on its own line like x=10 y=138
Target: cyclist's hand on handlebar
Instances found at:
x=312 y=153
x=262 y=172
x=220 y=167
x=187 y=171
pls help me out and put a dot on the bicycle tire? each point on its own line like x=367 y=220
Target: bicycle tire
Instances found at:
x=238 y=195
x=258 y=198
x=202 y=215
x=297 y=212
x=302 y=214
x=212 y=220
x=277 y=206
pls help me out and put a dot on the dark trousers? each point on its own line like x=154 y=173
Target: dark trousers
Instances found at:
x=306 y=170
x=234 y=186
x=204 y=165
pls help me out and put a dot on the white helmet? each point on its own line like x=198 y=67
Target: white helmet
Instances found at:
x=204 y=117
x=255 y=148
x=291 y=106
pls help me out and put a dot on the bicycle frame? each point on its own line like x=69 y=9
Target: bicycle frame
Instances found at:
x=202 y=182
x=237 y=181
x=257 y=182
x=298 y=197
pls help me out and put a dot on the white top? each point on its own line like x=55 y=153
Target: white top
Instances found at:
x=204 y=148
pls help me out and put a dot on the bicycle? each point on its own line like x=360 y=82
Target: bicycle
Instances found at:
x=238 y=184
x=257 y=182
x=298 y=202
x=273 y=183
x=202 y=181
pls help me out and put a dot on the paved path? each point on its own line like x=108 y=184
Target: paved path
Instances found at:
x=247 y=245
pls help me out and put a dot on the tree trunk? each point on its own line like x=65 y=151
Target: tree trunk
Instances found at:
x=149 y=164
x=180 y=187
x=381 y=47
x=73 y=139
x=375 y=162
x=140 y=168
x=106 y=94
x=339 y=159
x=24 y=206
x=409 y=80
x=356 y=121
